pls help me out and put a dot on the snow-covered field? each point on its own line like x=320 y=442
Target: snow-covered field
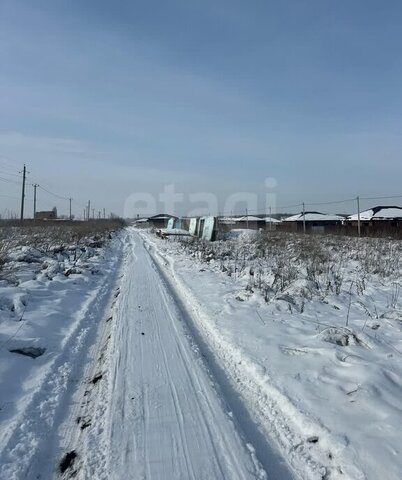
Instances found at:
x=309 y=330
x=53 y=291
x=271 y=358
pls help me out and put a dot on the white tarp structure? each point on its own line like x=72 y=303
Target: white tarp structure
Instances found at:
x=167 y=232
x=208 y=228
x=193 y=226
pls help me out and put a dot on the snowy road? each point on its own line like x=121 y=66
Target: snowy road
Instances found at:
x=167 y=420
x=157 y=413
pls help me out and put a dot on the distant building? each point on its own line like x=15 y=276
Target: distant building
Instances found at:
x=385 y=218
x=140 y=221
x=250 y=222
x=271 y=223
x=157 y=221
x=245 y=222
x=46 y=215
x=315 y=222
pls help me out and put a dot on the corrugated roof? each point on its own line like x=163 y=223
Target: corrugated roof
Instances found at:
x=378 y=213
x=271 y=220
x=162 y=216
x=314 y=217
x=250 y=218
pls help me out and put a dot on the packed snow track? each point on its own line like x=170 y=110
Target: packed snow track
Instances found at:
x=167 y=420
x=148 y=400
x=158 y=411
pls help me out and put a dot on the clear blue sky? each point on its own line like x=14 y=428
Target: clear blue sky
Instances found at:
x=102 y=99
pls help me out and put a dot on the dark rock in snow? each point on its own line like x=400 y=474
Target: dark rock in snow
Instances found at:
x=96 y=244
x=67 y=461
x=71 y=271
x=33 y=352
x=97 y=378
x=84 y=422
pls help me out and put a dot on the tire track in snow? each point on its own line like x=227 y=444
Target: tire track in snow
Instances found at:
x=248 y=390
x=164 y=416
x=261 y=449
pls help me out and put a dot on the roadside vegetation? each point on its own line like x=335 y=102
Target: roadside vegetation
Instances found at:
x=360 y=279
x=273 y=263
x=57 y=280
x=49 y=238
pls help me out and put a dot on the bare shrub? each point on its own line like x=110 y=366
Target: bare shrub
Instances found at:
x=274 y=262
x=55 y=237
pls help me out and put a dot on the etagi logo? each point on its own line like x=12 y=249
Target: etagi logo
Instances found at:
x=202 y=203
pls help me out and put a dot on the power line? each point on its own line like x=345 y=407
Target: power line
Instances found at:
x=54 y=194
x=6 y=164
x=61 y=197
x=380 y=198
x=332 y=203
x=78 y=204
x=40 y=181
x=8 y=180
x=8 y=196
x=289 y=206
x=9 y=173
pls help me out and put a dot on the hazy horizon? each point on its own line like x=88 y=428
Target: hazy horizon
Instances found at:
x=105 y=100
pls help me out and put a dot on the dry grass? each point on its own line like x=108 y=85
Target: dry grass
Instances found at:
x=275 y=261
x=55 y=237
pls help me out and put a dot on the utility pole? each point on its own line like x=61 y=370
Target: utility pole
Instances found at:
x=270 y=218
x=35 y=186
x=104 y=213
x=24 y=175
x=304 y=219
x=99 y=215
x=70 y=199
x=358 y=215
x=89 y=210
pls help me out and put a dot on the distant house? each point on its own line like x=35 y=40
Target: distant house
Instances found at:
x=271 y=223
x=315 y=222
x=247 y=221
x=46 y=215
x=140 y=221
x=271 y=220
x=160 y=221
x=228 y=220
x=384 y=218
x=250 y=222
